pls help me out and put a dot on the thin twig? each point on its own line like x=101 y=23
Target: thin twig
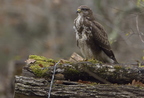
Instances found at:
x=140 y=34
x=52 y=80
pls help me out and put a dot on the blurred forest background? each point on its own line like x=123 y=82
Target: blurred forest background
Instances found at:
x=45 y=28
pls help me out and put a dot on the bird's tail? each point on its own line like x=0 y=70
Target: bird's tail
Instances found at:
x=115 y=61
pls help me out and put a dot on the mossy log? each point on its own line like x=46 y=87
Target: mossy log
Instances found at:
x=89 y=71
x=88 y=79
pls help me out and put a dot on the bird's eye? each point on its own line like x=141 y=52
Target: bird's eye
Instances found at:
x=84 y=9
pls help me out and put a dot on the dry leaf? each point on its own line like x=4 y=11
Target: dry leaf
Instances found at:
x=85 y=82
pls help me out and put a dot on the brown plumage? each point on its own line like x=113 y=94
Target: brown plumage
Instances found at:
x=91 y=37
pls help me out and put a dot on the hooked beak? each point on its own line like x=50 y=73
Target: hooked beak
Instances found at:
x=78 y=10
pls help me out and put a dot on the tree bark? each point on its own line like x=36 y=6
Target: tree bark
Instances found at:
x=121 y=73
x=29 y=87
x=87 y=76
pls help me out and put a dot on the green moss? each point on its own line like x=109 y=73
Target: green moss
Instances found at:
x=45 y=62
x=71 y=73
x=117 y=67
x=41 y=65
x=93 y=83
x=38 y=71
x=40 y=58
x=94 y=61
x=102 y=70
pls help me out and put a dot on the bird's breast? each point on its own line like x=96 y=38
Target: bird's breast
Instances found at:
x=83 y=44
x=79 y=22
x=83 y=37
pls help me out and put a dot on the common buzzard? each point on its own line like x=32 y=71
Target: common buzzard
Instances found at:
x=91 y=37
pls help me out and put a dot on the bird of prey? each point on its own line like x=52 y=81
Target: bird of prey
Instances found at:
x=91 y=37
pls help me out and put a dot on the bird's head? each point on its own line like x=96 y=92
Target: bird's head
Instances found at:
x=84 y=10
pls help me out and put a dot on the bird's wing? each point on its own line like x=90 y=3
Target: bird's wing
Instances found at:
x=99 y=35
x=100 y=38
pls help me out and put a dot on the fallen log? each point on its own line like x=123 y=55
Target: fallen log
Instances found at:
x=88 y=79
x=29 y=87
x=88 y=71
